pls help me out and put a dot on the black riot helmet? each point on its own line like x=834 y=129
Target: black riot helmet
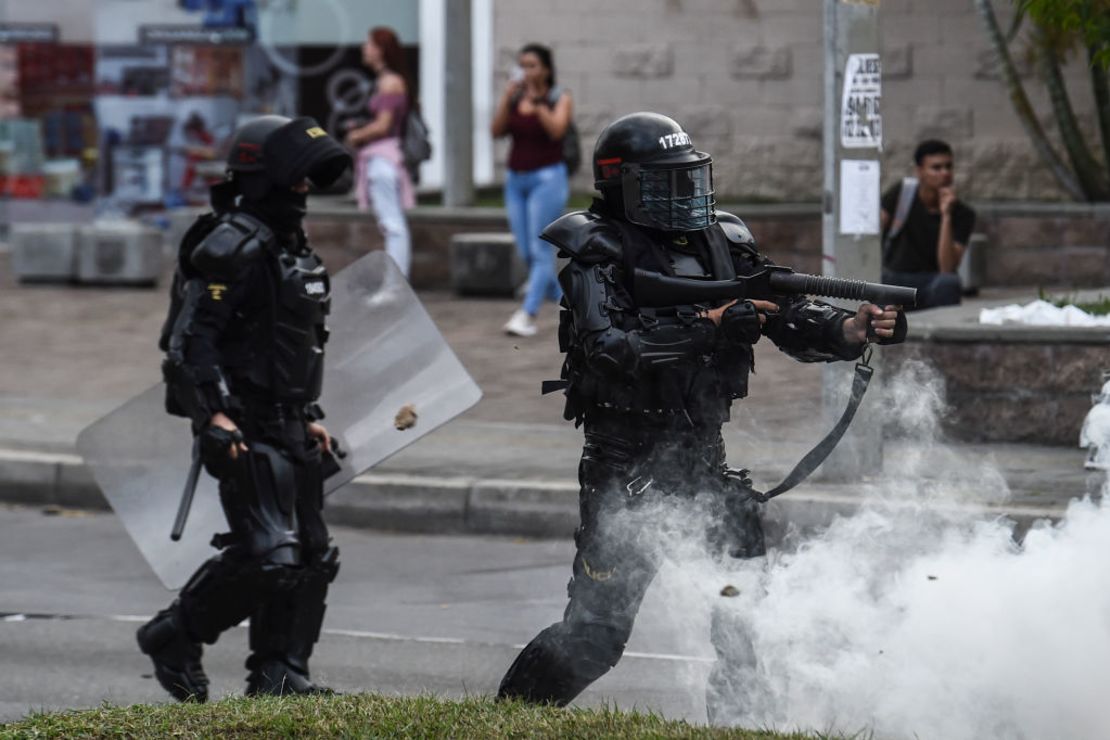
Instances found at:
x=276 y=153
x=647 y=168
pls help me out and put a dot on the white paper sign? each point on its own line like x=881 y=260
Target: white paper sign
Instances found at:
x=861 y=120
x=859 y=196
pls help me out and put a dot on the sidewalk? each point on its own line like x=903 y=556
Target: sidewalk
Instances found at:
x=507 y=466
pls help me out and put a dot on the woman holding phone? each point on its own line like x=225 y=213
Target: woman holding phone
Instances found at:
x=535 y=114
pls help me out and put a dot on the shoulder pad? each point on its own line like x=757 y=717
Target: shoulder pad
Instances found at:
x=736 y=231
x=236 y=241
x=584 y=236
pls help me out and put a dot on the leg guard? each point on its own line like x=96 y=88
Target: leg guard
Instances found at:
x=286 y=628
x=175 y=655
x=226 y=589
x=610 y=577
x=259 y=500
x=565 y=658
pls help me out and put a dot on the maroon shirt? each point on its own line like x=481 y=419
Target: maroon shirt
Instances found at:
x=531 y=147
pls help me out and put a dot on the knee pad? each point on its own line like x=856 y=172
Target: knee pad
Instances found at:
x=225 y=590
x=596 y=638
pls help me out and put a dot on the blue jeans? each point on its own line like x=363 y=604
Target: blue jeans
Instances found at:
x=933 y=288
x=384 y=184
x=534 y=199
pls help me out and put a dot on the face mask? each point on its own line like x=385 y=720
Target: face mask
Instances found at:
x=282 y=209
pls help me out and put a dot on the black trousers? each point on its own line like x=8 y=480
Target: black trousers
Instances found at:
x=624 y=467
x=275 y=564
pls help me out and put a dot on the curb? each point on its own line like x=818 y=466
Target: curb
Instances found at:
x=457 y=505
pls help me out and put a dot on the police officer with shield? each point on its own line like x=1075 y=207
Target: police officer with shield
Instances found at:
x=652 y=385
x=244 y=344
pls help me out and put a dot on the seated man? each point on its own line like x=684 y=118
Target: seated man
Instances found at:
x=926 y=229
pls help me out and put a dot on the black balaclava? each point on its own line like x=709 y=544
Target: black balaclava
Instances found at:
x=279 y=206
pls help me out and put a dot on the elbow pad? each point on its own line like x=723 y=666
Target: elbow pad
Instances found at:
x=812 y=332
x=199 y=391
x=613 y=353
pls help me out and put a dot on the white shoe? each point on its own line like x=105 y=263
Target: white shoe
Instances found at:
x=521 y=324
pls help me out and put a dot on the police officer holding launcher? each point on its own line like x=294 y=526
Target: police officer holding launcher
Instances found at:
x=652 y=387
x=244 y=346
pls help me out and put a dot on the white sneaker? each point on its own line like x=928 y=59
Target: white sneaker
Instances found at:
x=521 y=324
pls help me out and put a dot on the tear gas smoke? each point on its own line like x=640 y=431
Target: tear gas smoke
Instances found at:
x=911 y=618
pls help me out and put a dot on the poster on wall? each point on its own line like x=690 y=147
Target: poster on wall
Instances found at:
x=861 y=120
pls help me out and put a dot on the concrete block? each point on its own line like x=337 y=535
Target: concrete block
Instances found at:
x=28 y=478
x=531 y=508
x=401 y=503
x=951 y=124
x=644 y=61
x=897 y=62
x=987 y=66
x=485 y=264
x=76 y=487
x=119 y=252
x=44 y=251
x=760 y=63
x=917 y=28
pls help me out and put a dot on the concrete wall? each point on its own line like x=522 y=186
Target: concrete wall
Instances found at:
x=745 y=79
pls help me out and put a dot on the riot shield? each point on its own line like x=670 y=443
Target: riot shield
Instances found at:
x=384 y=354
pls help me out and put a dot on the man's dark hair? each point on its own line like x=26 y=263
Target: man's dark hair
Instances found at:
x=928 y=148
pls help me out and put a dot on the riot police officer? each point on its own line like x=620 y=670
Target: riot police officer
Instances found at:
x=652 y=387
x=244 y=344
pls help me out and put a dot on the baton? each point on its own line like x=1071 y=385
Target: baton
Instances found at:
x=187 y=494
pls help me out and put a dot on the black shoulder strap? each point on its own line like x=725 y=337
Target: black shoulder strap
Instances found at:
x=719 y=255
x=817 y=455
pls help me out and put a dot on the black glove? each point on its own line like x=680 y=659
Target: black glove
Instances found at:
x=740 y=324
x=901 y=327
x=330 y=461
x=215 y=449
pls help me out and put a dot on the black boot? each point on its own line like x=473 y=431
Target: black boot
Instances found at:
x=275 y=677
x=176 y=657
x=285 y=629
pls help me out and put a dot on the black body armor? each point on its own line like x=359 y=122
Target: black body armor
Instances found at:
x=249 y=324
x=663 y=362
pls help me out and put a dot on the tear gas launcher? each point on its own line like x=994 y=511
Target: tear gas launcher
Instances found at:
x=653 y=290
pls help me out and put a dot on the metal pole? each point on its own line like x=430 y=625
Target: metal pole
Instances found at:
x=458 y=181
x=850 y=224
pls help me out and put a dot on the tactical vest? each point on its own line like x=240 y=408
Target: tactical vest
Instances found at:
x=701 y=389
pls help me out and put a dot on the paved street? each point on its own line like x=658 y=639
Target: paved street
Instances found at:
x=408 y=614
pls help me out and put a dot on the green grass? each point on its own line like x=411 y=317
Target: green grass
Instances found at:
x=1098 y=307
x=362 y=715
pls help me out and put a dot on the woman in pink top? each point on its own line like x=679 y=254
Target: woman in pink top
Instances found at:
x=535 y=114
x=381 y=179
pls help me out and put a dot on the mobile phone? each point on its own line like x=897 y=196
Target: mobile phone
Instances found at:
x=516 y=74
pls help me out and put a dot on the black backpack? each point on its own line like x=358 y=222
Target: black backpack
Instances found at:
x=416 y=142
x=572 y=145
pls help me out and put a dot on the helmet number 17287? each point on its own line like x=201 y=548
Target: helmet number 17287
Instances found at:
x=668 y=141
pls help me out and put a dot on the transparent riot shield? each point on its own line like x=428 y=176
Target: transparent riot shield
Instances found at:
x=384 y=354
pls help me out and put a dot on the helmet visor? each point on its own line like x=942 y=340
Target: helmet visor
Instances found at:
x=678 y=198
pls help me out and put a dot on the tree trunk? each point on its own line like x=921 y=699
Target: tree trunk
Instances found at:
x=1023 y=108
x=1086 y=169
x=1102 y=105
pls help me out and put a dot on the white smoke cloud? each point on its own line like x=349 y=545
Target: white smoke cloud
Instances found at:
x=911 y=618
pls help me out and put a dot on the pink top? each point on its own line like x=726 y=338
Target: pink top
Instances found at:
x=395 y=103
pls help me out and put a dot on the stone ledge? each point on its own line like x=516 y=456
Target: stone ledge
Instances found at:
x=448 y=505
